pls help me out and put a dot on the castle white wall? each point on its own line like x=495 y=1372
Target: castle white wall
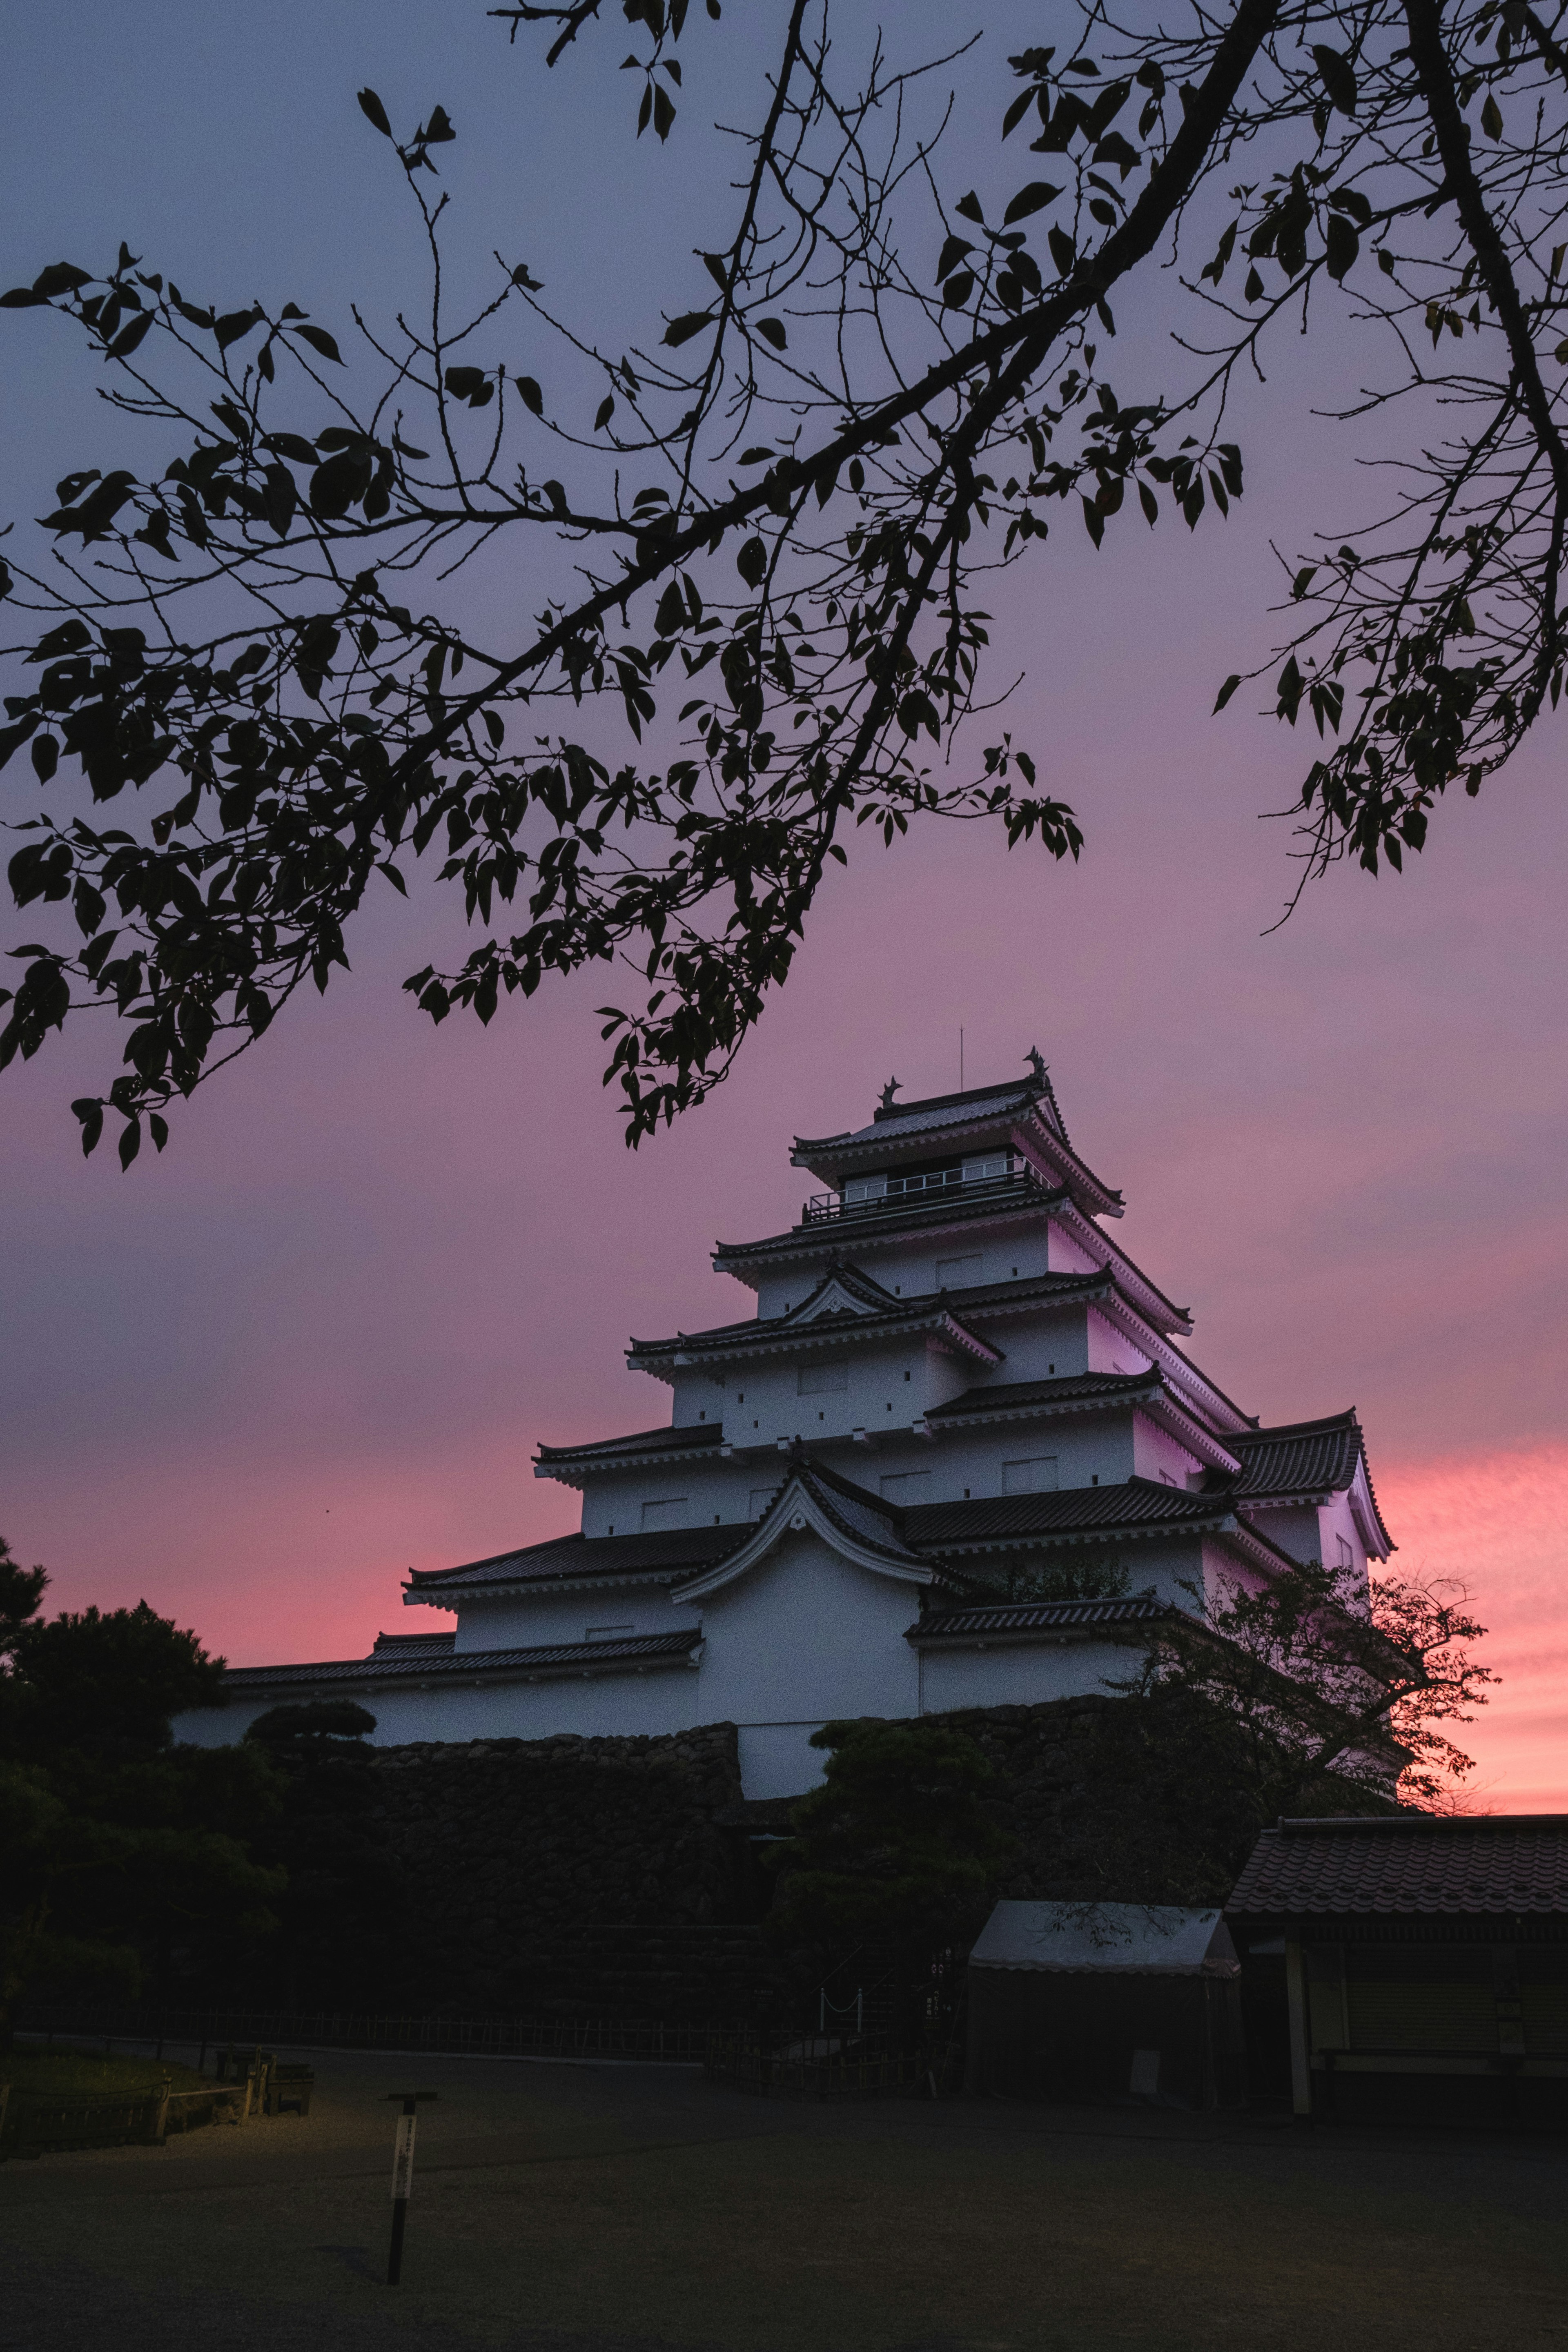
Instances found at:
x=1020 y=1674
x=806 y=1636
x=522 y=1621
x=1156 y=1454
x=598 y=1706
x=909 y=1267
x=1109 y=1351
x=1296 y=1531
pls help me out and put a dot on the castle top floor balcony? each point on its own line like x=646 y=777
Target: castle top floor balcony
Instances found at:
x=998 y=1178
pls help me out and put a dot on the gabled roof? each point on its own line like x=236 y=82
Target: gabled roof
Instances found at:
x=657 y=1555
x=1408 y=1865
x=425 y=1660
x=862 y=1527
x=1022 y=1621
x=1306 y=1462
x=845 y=1304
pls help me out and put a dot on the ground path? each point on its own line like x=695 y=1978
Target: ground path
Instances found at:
x=561 y=2208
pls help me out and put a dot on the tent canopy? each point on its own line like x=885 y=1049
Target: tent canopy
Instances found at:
x=1106 y=1939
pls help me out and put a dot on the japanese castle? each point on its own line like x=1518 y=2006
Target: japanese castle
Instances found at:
x=956 y=1459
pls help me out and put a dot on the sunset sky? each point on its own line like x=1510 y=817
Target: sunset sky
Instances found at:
x=316 y=1343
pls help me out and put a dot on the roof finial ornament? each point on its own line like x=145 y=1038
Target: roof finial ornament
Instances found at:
x=1037 y=1064
x=888 y=1091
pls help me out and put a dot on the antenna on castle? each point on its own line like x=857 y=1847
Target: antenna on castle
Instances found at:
x=961 y=1061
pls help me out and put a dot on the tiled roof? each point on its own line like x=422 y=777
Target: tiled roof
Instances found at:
x=1300 y=1457
x=931 y=1115
x=912 y=1213
x=1010 y=1619
x=863 y=1516
x=1018 y=1396
x=1303 y=1458
x=424 y=1663
x=691 y=1438
x=1410 y=1865
x=404 y=1646
x=921 y=1307
x=665 y=1552
x=1137 y=1504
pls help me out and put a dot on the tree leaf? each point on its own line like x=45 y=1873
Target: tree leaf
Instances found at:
x=373 y=112
x=528 y=392
x=690 y=322
x=1226 y=691
x=606 y=411
x=1032 y=199
x=772 y=330
x=319 y=341
x=1338 y=77
x=752 y=562
x=1064 y=252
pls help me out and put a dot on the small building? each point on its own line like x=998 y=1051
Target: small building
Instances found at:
x=1424 y=1964
x=1094 y=2000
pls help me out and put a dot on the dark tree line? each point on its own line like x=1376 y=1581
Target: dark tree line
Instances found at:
x=773 y=518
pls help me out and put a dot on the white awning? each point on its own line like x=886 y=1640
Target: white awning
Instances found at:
x=1106 y=1939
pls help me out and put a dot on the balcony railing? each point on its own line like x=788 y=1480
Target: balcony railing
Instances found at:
x=921 y=1193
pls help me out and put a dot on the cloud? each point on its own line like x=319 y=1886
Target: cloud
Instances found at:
x=1499 y=1523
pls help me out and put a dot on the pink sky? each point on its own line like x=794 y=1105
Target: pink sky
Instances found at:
x=316 y=1343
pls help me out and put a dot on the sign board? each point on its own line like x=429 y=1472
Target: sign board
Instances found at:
x=403 y=2157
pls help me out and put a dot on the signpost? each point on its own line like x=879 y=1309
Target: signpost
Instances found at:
x=402 y=2175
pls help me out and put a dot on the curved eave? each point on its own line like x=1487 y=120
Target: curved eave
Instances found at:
x=1219 y=1528
x=574 y=1469
x=942 y=1331
x=882 y=1227
x=570 y=1661
x=798 y=1509
x=456 y=1598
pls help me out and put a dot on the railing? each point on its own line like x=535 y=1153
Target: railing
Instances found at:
x=825 y=1208
x=498 y=2037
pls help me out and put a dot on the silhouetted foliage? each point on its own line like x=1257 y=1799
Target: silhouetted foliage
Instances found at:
x=122 y=1857
x=896 y=1848
x=784 y=502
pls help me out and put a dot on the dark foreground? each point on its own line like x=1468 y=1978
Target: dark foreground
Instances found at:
x=564 y=2209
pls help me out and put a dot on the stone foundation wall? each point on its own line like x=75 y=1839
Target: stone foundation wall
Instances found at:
x=575 y=1874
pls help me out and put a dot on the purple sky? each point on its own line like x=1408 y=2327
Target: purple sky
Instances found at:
x=316 y=1343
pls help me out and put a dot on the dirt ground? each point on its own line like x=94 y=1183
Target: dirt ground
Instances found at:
x=620 y=2210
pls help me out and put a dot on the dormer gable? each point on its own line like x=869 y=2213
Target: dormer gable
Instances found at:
x=861 y=1528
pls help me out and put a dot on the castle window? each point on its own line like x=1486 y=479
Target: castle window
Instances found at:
x=1037 y=1475
x=669 y=1511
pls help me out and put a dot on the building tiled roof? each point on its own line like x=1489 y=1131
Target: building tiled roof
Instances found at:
x=1300 y=1457
x=424 y=1662
x=404 y=1646
x=1302 y=1460
x=1019 y=1396
x=919 y=1308
x=691 y=1437
x=662 y=1552
x=1137 y=1506
x=931 y=1115
x=1011 y=1620
x=1410 y=1866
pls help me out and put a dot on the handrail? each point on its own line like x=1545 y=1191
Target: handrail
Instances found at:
x=824 y=1208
